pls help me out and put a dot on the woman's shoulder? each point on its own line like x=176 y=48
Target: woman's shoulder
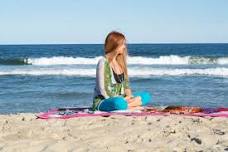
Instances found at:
x=102 y=60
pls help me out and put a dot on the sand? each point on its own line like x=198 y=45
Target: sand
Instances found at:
x=23 y=132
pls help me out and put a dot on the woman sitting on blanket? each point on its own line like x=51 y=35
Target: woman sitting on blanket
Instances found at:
x=112 y=90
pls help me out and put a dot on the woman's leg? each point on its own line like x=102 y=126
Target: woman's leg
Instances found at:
x=145 y=97
x=113 y=103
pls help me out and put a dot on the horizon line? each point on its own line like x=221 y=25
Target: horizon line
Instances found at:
x=147 y=43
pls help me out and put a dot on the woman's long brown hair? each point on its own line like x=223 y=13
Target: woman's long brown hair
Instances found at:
x=112 y=41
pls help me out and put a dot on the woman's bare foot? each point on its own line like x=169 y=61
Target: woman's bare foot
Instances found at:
x=134 y=102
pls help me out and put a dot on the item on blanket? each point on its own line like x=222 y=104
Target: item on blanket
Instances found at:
x=182 y=109
x=150 y=109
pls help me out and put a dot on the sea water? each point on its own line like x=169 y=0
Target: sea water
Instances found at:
x=35 y=78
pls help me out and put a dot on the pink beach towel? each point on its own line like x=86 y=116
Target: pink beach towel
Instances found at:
x=66 y=113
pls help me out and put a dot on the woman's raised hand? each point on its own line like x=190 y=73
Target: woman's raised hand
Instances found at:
x=128 y=92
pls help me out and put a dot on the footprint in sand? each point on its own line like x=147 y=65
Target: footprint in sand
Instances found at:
x=218 y=132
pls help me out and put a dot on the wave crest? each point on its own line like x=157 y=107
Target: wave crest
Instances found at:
x=162 y=60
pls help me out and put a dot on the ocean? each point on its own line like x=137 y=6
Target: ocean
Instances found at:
x=35 y=78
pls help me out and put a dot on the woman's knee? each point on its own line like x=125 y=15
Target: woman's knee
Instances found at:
x=120 y=103
x=145 y=97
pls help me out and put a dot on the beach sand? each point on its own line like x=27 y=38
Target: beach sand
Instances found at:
x=23 y=132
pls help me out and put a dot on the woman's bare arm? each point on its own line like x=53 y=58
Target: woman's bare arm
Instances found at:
x=100 y=79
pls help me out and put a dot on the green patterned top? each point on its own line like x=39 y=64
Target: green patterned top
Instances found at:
x=106 y=85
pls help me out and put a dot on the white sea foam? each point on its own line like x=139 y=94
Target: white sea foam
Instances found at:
x=62 y=60
x=162 y=60
x=133 y=72
x=223 y=60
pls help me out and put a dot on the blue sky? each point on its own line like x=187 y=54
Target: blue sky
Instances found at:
x=88 y=21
